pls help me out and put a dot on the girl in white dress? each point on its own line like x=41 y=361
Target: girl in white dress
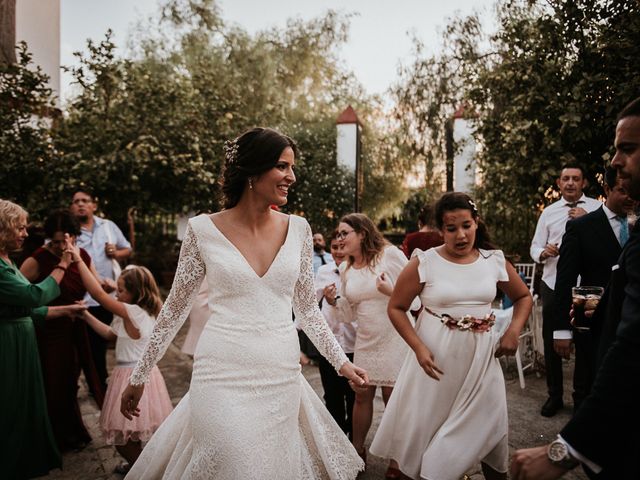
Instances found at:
x=449 y=408
x=135 y=308
x=367 y=279
x=249 y=412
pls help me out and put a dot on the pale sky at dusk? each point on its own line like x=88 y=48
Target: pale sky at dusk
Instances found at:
x=379 y=36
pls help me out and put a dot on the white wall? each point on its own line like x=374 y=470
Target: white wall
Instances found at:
x=464 y=165
x=347 y=146
x=38 y=24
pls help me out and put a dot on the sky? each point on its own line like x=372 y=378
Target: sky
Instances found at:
x=379 y=39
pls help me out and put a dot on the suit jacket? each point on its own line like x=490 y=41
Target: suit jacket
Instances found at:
x=589 y=248
x=605 y=427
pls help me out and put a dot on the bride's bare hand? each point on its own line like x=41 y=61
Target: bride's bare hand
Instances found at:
x=356 y=375
x=129 y=401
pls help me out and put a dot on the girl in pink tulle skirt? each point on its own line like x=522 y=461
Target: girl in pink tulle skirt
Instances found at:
x=135 y=308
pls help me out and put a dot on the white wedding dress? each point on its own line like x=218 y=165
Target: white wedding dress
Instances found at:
x=249 y=413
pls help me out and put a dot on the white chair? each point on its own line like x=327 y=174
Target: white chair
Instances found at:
x=528 y=339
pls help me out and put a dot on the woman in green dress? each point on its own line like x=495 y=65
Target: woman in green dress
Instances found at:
x=27 y=445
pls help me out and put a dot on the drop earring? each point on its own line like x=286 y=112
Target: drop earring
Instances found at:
x=250 y=185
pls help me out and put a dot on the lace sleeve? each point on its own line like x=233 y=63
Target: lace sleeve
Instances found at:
x=175 y=310
x=307 y=312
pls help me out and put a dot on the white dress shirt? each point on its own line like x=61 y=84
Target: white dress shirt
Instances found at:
x=550 y=229
x=345 y=333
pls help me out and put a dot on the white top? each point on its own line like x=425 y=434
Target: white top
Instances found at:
x=127 y=349
x=550 y=229
x=345 y=332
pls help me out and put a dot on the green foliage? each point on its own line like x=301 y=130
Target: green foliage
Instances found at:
x=26 y=109
x=543 y=90
x=559 y=73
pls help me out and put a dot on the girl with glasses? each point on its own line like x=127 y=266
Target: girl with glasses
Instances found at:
x=368 y=276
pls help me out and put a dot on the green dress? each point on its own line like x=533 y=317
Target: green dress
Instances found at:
x=27 y=446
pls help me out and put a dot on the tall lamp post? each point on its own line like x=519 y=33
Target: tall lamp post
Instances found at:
x=348 y=150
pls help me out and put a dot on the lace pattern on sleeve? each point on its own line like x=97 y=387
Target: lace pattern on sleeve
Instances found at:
x=189 y=275
x=306 y=308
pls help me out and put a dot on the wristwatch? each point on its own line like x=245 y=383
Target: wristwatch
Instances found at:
x=558 y=453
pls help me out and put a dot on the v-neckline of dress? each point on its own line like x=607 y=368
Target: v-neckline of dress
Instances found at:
x=237 y=250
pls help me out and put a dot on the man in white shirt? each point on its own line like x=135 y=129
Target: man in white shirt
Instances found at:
x=545 y=249
x=105 y=243
x=338 y=395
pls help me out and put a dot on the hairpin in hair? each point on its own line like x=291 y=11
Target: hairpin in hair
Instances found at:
x=473 y=205
x=231 y=151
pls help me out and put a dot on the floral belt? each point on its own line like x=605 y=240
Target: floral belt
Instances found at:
x=466 y=322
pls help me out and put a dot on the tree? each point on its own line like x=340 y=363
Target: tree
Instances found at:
x=27 y=151
x=558 y=73
x=543 y=90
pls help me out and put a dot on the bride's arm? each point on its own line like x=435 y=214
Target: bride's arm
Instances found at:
x=189 y=275
x=311 y=320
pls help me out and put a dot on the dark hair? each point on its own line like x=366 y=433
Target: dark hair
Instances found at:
x=373 y=242
x=631 y=110
x=86 y=190
x=61 y=221
x=252 y=153
x=334 y=235
x=425 y=217
x=610 y=176
x=576 y=166
x=461 y=201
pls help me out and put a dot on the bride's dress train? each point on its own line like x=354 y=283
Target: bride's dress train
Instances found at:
x=249 y=412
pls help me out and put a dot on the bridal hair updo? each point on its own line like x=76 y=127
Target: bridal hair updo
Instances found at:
x=250 y=155
x=456 y=201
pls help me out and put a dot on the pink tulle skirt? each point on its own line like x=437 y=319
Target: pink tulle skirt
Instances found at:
x=155 y=406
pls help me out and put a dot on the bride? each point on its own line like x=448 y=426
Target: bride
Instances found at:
x=249 y=412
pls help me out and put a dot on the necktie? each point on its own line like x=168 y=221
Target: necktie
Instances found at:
x=574 y=204
x=324 y=262
x=624 y=230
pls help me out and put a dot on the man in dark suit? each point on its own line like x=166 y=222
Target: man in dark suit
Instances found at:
x=591 y=245
x=603 y=434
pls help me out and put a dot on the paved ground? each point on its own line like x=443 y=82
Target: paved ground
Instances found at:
x=527 y=427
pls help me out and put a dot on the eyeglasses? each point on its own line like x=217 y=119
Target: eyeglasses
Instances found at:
x=343 y=234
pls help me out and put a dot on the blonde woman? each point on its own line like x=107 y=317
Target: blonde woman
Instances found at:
x=27 y=446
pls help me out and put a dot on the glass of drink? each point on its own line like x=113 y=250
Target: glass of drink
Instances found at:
x=584 y=299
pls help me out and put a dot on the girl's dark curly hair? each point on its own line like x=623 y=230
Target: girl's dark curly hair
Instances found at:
x=251 y=154
x=455 y=201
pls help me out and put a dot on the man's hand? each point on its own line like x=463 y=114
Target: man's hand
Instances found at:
x=534 y=464
x=563 y=347
x=577 y=212
x=550 y=250
x=110 y=250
